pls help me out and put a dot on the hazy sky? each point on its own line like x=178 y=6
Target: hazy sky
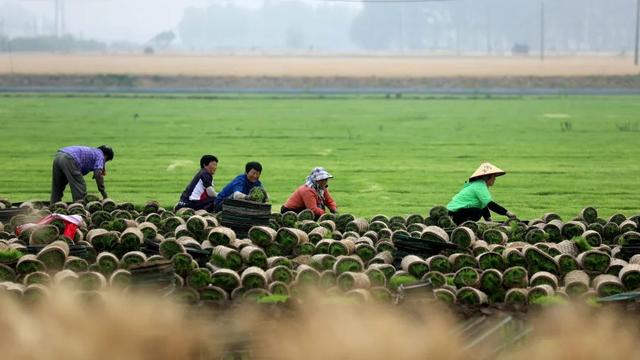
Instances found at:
x=135 y=20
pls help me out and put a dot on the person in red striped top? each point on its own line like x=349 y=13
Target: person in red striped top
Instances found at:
x=313 y=195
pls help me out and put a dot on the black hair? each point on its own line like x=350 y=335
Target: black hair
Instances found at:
x=206 y=159
x=107 y=151
x=253 y=165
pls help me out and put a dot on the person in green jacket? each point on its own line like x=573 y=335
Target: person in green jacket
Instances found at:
x=474 y=200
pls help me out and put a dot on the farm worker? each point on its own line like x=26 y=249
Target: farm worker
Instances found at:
x=240 y=187
x=72 y=163
x=200 y=194
x=312 y=195
x=474 y=200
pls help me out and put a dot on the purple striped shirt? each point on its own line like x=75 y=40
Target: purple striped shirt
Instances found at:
x=87 y=158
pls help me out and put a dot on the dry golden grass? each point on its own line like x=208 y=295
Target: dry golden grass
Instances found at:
x=151 y=328
x=314 y=66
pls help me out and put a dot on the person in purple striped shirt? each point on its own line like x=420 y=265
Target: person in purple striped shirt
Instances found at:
x=72 y=163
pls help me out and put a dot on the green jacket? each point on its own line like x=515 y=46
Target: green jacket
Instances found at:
x=473 y=195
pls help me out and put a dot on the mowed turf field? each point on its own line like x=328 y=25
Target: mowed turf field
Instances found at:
x=391 y=156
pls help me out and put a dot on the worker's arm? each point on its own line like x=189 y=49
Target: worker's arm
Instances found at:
x=311 y=202
x=98 y=174
x=207 y=182
x=496 y=208
x=328 y=200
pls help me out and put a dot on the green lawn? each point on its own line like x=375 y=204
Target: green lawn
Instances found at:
x=391 y=156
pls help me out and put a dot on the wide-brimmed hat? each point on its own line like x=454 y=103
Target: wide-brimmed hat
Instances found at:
x=485 y=169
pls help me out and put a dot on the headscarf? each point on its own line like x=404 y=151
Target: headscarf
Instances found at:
x=317 y=174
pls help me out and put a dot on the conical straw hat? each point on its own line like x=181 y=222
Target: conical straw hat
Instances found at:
x=487 y=169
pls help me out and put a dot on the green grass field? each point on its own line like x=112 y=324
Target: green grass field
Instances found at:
x=391 y=156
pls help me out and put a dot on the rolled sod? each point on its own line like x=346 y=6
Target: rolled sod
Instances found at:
x=436 y=278
x=535 y=235
x=38 y=277
x=607 y=285
x=322 y=261
x=384 y=257
x=439 y=263
x=328 y=279
x=567 y=263
x=91 y=281
x=537 y=294
x=199 y=278
x=490 y=281
x=460 y=260
x=197 y=225
x=466 y=277
x=279 y=260
x=387 y=269
x=630 y=277
x=610 y=231
x=226 y=257
x=490 y=260
x=153 y=218
x=576 y=283
x=170 y=224
x=385 y=245
x=414 y=265
x=306 y=275
x=29 y=263
x=463 y=237
x=253 y=277
x=279 y=273
x=515 y=277
x=514 y=257
x=348 y=263
x=358 y=225
x=258 y=194
x=588 y=214
x=289 y=238
x=494 y=236
x=107 y=263
x=593 y=237
x=10 y=255
x=544 y=278
x=516 y=297
x=171 y=247
x=53 y=257
x=376 y=277
x=342 y=247
x=471 y=296
x=7 y=273
x=594 y=261
x=538 y=260
x=353 y=280
x=437 y=212
x=553 y=230
x=435 y=233
x=306 y=214
x=213 y=294
x=278 y=288
x=365 y=251
x=274 y=249
x=401 y=278
x=43 y=234
x=572 y=229
x=182 y=262
x=445 y=295
x=221 y=236
x=131 y=239
x=254 y=256
x=226 y=279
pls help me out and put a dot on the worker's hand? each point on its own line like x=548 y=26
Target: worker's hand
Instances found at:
x=239 y=196
x=511 y=215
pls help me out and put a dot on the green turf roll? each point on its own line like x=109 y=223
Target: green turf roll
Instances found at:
x=306 y=275
x=630 y=276
x=572 y=229
x=225 y=279
x=91 y=281
x=460 y=260
x=353 y=280
x=289 y=238
x=567 y=263
x=516 y=277
x=576 y=283
x=107 y=263
x=466 y=276
x=348 y=263
x=516 y=297
x=544 y=278
x=490 y=260
x=494 y=236
x=470 y=296
x=254 y=256
x=414 y=265
x=490 y=281
x=463 y=237
x=538 y=260
x=608 y=285
x=253 y=277
x=553 y=230
x=221 y=236
x=43 y=234
x=37 y=277
x=387 y=269
x=171 y=247
x=358 y=225
x=594 y=261
x=226 y=257
x=513 y=257
x=279 y=273
x=183 y=263
x=588 y=214
x=29 y=263
x=535 y=235
x=376 y=277
x=342 y=247
x=439 y=263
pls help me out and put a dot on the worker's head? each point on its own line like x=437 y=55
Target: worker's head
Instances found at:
x=253 y=169
x=319 y=176
x=209 y=163
x=107 y=151
x=489 y=179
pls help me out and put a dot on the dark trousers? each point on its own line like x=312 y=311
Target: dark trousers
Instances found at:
x=65 y=171
x=473 y=214
x=207 y=204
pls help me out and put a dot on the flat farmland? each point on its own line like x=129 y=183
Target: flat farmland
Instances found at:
x=392 y=156
x=314 y=66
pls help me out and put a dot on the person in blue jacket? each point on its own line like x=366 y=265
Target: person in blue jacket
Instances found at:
x=240 y=187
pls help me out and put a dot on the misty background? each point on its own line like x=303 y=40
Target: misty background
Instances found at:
x=496 y=27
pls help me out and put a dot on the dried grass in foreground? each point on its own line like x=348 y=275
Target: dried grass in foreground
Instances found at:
x=134 y=327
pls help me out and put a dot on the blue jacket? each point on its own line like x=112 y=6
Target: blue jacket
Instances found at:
x=240 y=183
